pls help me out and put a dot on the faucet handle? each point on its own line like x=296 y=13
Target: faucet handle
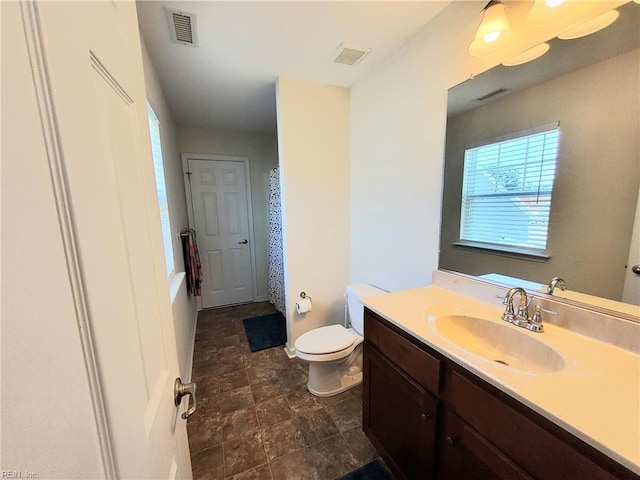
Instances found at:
x=535 y=323
x=539 y=309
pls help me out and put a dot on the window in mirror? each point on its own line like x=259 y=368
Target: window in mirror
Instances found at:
x=506 y=193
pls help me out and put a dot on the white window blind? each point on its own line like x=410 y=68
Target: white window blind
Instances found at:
x=506 y=192
x=161 y=188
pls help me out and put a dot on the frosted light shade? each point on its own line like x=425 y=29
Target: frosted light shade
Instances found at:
x=546 y=12
x=493 y=33
x=590 y=26
x=527 y=55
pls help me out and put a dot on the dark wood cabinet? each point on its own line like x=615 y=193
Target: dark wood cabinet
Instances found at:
x=428 y=417
x=467 y=455
x=400 y=417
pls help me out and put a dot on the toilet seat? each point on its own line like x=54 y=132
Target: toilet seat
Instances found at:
x=327 y=343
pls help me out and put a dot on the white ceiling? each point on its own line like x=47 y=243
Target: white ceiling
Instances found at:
x=228 y=81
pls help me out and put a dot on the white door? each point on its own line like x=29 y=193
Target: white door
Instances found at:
x=87 y=74
x=631 y=290
x=220 y=215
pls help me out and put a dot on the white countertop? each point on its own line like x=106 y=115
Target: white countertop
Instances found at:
x=596 y=396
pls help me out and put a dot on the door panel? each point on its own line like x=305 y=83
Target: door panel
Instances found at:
x=221 y=217
x=94 y=74
x=210 y=207
x=115 y=118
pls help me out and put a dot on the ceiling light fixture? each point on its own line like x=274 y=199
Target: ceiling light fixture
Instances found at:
x=546 y=11
x=590 y=26
x=493 y=32
x=527 y=55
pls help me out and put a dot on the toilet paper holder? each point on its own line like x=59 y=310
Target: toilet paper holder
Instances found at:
x=304 y=304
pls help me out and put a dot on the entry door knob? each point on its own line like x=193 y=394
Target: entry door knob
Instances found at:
x=636 y=269
x=244 y=242
x=182 y=389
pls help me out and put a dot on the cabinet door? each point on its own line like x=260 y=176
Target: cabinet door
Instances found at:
x=468 y=455
x=399 y=418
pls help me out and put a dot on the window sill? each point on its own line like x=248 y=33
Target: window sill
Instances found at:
x=505 y=251
x=175 y=282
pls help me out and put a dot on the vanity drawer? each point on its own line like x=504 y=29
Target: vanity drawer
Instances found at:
x=415 y=362
x=538 y=451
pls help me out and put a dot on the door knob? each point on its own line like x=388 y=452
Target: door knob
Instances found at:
x=180 y=390
x=636 y=269
x=244 y=242
x=425 y=417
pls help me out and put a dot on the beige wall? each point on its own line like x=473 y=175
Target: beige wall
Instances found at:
x=596 y=183
x=398 y=129
x=262 y=150
x=313 y=141
x=184 y=305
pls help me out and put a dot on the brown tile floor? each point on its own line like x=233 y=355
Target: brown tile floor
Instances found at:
x=256 y=419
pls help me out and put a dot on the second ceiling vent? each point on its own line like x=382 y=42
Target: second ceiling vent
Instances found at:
x=182 y=27
x=349 y=54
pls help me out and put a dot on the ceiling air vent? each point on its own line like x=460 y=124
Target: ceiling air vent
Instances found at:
x=348 y=54
x=495 y=93
x=182 y=27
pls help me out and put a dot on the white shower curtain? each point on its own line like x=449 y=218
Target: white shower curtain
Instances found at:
x=276 y=265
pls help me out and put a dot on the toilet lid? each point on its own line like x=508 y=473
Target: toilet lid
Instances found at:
x=325 y=340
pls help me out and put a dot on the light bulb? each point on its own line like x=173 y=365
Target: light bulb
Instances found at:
x=491 y=36
x=553 y=3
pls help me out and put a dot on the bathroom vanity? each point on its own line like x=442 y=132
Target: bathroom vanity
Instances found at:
x=561 y=406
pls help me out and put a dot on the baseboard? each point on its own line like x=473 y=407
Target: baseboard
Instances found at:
x=262 y=298
x=291 y=352
x=193 y=348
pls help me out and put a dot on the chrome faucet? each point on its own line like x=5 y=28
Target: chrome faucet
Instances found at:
x=556 y=282
x=521 y=318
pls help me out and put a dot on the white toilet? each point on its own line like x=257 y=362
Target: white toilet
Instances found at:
x=334 y=353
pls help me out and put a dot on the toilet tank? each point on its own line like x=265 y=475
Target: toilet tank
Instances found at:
x=356 y=309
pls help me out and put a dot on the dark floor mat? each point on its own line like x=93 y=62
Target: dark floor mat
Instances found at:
x=265 y=331
x=371 y=471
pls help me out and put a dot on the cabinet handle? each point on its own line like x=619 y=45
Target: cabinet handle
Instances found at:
x=451 y=440
x=425 y=417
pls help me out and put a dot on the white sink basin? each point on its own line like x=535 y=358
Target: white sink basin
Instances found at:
x=500 y=343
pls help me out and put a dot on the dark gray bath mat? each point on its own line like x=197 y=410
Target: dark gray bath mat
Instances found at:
x=371 y=471
x=265 y=331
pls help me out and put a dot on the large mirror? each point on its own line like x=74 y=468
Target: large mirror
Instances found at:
x=590 y=86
